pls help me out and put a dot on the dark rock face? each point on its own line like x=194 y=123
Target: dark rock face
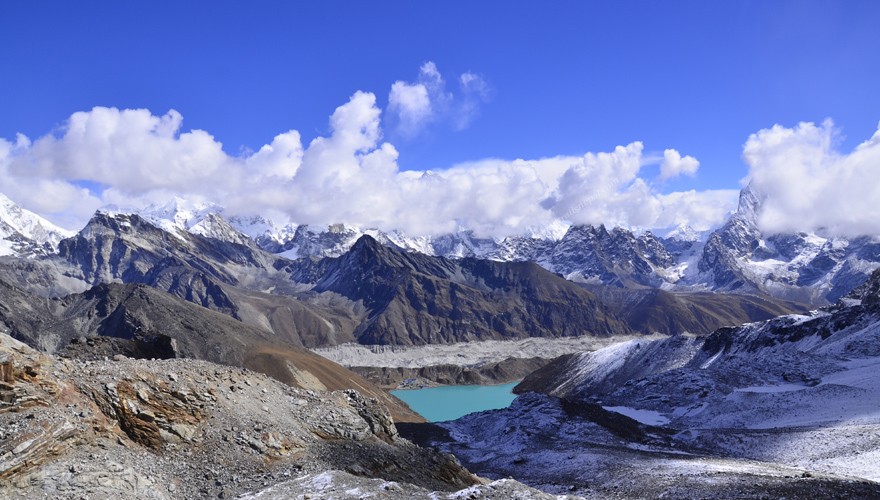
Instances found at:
x=417 y=299
x=221 y=275
x=613 y=257
x=126 y=248
x=659 y=311
x=869 y=291
x=142 y=322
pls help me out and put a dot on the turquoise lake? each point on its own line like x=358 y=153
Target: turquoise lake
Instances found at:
x=438 y=404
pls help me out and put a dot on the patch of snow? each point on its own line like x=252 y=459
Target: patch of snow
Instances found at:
x=711 y=360
x=6 y=247
x=770 y=389
x=321 y=481
x=647 y=417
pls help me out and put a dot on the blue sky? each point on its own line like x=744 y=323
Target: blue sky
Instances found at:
x=563 y=78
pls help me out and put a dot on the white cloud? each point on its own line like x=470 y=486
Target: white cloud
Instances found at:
x=411 y=104
x=474 y=92
x=701 y=210
x=807 y=184
x=280 y=159
x=350 y=176
x=595 y=187
x=414 y=106
x=674 y=165
x=130 y=149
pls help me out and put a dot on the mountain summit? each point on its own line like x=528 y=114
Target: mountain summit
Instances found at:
x=25 y=233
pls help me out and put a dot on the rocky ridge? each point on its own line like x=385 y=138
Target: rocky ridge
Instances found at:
x=143 y=322
x=127 y=428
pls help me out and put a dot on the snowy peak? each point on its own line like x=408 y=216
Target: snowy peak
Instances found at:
x=749 y=204
x=214 y=226
x=684 y=234
x=805 y=267
x=265 y=233
x=178 y=214
x=25 y=233
x=617 y=257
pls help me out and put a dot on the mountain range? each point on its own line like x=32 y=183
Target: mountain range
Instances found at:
x=371 y=294
x=737 y=257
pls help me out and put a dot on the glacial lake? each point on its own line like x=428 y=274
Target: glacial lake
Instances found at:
x=438 y=404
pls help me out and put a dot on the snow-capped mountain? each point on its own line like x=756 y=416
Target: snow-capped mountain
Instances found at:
x=615 y=257
x=25 y=233
x=204 y=219
x=737 y=257
x=582 y=253
x=804 y=266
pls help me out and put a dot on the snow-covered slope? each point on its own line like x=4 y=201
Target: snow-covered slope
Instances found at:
x=204 y=219
x=25 y=233
x=788 y=407
x=799 y=389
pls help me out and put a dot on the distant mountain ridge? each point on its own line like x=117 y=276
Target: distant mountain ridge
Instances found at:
x=737 y=257
x=372 y=294
x=804 y=266
x=25 y=233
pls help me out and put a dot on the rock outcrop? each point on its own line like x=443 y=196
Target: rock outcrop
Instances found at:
x=127 y=428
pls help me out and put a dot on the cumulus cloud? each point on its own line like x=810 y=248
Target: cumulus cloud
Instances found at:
x=807 y=184
x=132 y=158
x=412 y=105
x=700 y=210
x=605 y=188
x=130 y=149
x=674 y=165
x=415 y=105
x=281 y=158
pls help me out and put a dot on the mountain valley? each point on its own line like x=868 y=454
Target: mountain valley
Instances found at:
x=630 y=346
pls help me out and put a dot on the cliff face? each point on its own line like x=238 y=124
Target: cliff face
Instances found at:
x=416 y=299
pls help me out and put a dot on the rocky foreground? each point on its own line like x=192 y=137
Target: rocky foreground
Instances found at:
x=182 y=428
